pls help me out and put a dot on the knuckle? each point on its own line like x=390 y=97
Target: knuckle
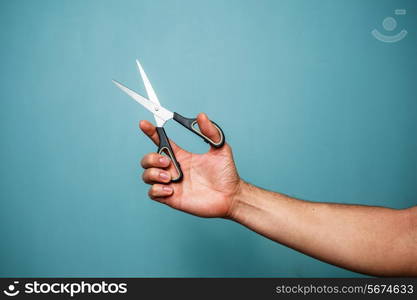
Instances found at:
x=155 y=174
x=143 y=161
x=150 y=175
x=148 y=160
x=145 y=176
x=228 y=148
x=153 y=159
x=151 y=192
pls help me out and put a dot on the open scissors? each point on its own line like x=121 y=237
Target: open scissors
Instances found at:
x=162 y=115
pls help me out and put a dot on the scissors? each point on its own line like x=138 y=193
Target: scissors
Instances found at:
x=162 y=115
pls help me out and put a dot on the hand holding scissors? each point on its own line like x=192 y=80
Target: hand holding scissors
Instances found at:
x=162 y=115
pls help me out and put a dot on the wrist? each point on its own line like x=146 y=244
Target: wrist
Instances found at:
x=241 y=193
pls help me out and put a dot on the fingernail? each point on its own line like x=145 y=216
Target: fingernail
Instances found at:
x=164 y=175
x=167 y=189
x=164 y=160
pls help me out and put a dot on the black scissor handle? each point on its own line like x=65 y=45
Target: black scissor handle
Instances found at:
x=165 y=147
x=189 y=124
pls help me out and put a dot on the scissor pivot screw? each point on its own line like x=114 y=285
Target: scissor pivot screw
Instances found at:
x=156 y=108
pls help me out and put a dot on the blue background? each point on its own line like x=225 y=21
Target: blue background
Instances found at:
x=313 y=105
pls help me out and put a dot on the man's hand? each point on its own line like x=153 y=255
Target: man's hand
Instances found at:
x=210 y=180
x=373 y=240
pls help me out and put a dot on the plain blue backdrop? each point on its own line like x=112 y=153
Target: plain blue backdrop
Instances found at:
x=312 y=104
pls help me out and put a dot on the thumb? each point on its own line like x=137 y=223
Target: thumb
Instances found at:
x=207 y=128
x=150 y=130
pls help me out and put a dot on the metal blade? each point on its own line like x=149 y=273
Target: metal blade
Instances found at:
x=160 y=113
x=151 y=93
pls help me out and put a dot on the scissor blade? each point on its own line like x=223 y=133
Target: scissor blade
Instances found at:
x=138 y=98
x=162 y=113
x=151 y=93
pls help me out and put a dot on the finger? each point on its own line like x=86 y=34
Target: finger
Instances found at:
x=150 y=130
x=153 y=175
x=159 y=191
x=155 y=160
x=207 y=128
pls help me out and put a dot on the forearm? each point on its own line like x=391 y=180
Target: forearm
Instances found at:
x=372 y=240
